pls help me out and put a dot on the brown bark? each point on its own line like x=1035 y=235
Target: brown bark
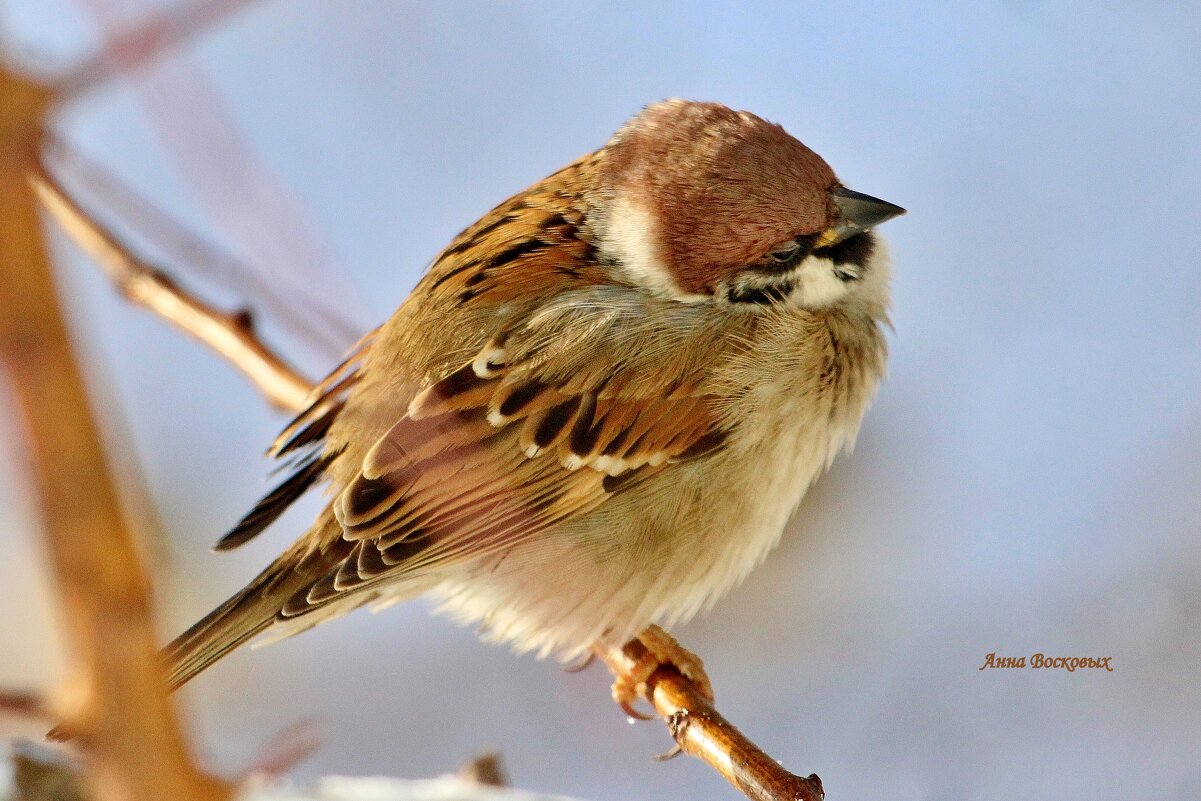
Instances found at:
x=115 y=701
x=231 y=335
x=700 y=731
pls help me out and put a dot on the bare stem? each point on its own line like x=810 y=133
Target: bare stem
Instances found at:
x=700 y=731
x=485 y=769
x=158 y=34
x=116 y=701
x=231 y=335
x=23 y=705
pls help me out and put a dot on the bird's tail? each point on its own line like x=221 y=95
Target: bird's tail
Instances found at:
x=247 y=614
x=240 y=619
x=255 y=608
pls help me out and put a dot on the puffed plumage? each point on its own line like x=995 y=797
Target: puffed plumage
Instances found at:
x=598 y=408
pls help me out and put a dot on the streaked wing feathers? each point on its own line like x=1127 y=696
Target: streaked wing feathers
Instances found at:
x=491 y=455
x=300 y=445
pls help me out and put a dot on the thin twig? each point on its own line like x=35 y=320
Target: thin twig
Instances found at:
x=286 y=749
x=23 y=704
x=88 y=178
x=150 y=39
x=701 y=731
x=230 y=335
x=116 y=701
x=42 y=774
x=485 y=769
x=244 y=198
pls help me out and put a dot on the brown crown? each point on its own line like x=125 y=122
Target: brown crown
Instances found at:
x=724 y=186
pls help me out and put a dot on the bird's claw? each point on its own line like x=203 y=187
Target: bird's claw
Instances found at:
x=659 y=649
x=669 y=754
x=628 y=707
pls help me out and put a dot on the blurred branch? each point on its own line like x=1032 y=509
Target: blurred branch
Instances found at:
x=242 y=195
x=88 y=179
x=286 y=750
x=22 y=704
x=485 y=769
x=40 y=774
x=116 y=701
x=231 y=335
x=141 y=45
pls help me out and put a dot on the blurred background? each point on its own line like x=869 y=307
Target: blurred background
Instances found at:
x=1027 y=481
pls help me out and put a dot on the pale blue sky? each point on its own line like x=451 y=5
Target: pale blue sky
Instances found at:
x=1028 y=479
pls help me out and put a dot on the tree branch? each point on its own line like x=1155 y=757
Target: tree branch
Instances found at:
x=23 y=704
x=696 y=726
x=116 y=701
x=147 y=41
x=230 y=335
x=700 y=731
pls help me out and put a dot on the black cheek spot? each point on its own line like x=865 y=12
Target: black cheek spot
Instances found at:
x=856 y=250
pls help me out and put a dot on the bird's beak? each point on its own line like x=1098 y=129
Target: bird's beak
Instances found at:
x=857 y=213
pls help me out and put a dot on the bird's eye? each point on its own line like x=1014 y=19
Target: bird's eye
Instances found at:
x=785 y=251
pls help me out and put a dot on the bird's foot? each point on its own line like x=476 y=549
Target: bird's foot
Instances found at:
x=658 y=649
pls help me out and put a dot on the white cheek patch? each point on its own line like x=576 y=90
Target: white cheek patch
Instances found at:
x=817 y=286
x=629 y=237
x=812 y=284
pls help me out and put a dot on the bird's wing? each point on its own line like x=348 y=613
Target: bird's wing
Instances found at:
x=494 y=453
x=301 y=444
x=537 y=428
x=536 y=232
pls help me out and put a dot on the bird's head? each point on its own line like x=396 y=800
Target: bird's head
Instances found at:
x=701 y=203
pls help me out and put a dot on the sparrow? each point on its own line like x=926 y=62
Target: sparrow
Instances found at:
x=597 y=410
